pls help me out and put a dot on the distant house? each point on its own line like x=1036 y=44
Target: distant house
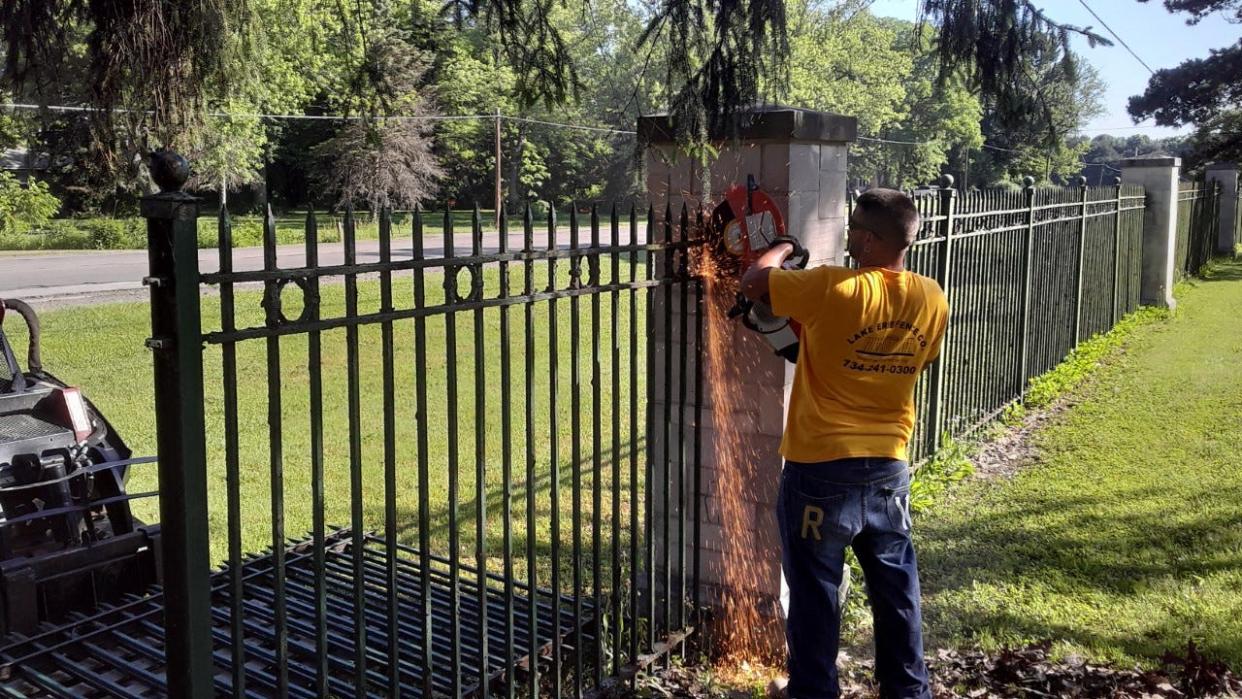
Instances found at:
x=22 y=163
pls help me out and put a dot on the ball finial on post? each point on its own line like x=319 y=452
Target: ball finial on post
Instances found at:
x=946 y=181
x=1080 y=181
x=1028 y=182
x=169 y=170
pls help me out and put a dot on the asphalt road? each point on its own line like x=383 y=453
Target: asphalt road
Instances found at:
x=98 y=276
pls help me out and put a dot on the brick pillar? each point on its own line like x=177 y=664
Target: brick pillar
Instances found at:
x=1227 y=175
x=1158 y=177
x=799 y=158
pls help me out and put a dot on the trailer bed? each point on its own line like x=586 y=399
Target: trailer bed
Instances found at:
x=118 y=651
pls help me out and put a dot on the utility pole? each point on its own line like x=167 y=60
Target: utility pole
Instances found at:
x=498 y=180
x=966 y=168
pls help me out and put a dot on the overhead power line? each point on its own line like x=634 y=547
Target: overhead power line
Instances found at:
x=1003 y=150
x=569 y=126
x=333 y=117
x=899 y=143
x=1115 y=36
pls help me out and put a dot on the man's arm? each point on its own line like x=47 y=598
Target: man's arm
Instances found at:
x=755 y=280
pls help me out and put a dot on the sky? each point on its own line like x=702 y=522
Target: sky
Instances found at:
x=1160 y=38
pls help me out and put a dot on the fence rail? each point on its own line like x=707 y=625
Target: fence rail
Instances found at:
x=1029 y=274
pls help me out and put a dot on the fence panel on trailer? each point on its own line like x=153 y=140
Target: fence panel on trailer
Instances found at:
x=426 y=463
x=1029 y=274
x=455 y=387
x=513 y=485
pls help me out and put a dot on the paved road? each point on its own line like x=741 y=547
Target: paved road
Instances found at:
x=94 y=276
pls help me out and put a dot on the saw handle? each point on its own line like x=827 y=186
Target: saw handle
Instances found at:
x=799 y=257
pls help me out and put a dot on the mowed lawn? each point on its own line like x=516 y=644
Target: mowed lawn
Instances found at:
x=1125 y=539
x=100 y=348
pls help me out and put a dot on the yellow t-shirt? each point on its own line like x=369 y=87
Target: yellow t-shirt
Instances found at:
x=866 y=336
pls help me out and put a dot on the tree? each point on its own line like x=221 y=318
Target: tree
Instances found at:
x=845 y=62
x=26 y=205
x=995 y=44
x=1219 y=138
x=227 y=153
x=1202 y=91
x=384 y=157
x=386 y=163
x=1040 y=145
x=717 y=54
x=156 y=58
x=941 y=119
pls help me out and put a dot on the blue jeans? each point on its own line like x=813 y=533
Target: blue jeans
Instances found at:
x=822 y=508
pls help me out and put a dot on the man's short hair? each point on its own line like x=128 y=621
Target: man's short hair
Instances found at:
x=889 y=214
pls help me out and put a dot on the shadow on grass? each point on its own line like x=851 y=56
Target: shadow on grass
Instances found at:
x=1223 y=269
x=1086 y=548
x=539 y=548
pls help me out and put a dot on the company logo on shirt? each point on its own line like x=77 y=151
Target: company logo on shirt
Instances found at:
x=888 y=346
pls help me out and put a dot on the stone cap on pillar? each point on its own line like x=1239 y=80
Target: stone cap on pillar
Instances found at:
x=773 y=122
x=1152 y=161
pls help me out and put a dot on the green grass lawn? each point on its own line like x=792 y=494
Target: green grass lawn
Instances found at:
x=1125 y=540
x=100 y=348
x=130 y=233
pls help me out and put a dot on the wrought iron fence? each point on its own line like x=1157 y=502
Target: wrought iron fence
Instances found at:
x=1029 y=274
x=1198 y=218
x=440 y=443
x=440 y=440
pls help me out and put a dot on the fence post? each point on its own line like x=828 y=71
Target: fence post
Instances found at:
x=1158 y=177
x=1079 y=261
x=947 y=196
x=1226 y=174
x=172 y=245
x=1117 y=254
x=1028 y=255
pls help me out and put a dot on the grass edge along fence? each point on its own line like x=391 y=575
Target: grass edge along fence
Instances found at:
x=130 y=233
x=1029 y=274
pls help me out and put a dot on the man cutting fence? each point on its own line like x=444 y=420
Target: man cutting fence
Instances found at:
x=866 y=334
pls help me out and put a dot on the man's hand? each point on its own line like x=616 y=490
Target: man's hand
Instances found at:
x=755 y=280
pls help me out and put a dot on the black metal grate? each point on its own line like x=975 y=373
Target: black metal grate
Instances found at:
x=21 y=426
x=119 y=651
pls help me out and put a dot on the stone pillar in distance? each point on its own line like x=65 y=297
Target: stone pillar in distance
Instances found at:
x=799 y=158
x=1159 y=178
x=1227 y=175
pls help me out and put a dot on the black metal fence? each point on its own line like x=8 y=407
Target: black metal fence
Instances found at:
x=439 y=439
x=1198 y=219
x=1029 y=274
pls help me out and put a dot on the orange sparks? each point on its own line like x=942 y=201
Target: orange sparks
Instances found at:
x=745 y=628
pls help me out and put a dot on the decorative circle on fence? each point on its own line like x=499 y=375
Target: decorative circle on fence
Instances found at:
x=474 y=290
x=276 y=305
